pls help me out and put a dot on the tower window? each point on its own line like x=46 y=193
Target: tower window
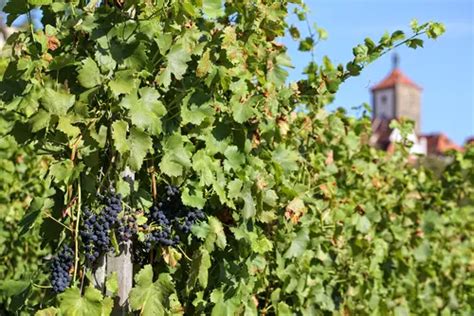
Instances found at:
x=384 y=99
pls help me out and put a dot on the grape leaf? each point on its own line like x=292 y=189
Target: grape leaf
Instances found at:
x=73 y=304
x=199 y=268
x=177 y=59
x=112 y=283
x=50 y=311
x=249 y=204
x=119 y=135
x=145 y=112
x=38 y=3
x=89 y=74
x=65 y=126
x=148 y=297
x=176 y=156
x=124 y=82
x=212 y=8
x=140 y=144
x=299 y=244
x=212 y=233
x=40 y=120
x=57 y=102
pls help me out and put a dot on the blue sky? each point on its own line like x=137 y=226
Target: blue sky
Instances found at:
x=444 y=67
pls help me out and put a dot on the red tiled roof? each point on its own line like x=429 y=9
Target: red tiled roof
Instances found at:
x=395 y=77
x=439 y=143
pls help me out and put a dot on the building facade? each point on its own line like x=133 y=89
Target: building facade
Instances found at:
x=397 y=97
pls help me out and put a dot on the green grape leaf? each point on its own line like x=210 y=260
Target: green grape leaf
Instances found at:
x=124 y=82
x=89 y=74
x=171 y=168
x=140 y=144
x=50 y=311
x=40 y=120
x=241 y=111
x=235 y=159
x=65 y=126
x=148 y=297
x=213 y=8
x=298 y=245
x=119 y=135
x=146 y=112
x=73 y=304
x=249 y=210
x=286 y=159
x=203 y=165
x=176 y=156
x=177 y=59
x=200 y=268
x=57 y=102
x=212 y=233
x=13 y=287
x=194 y=199
x=164 y=41
x=363 y=224
x=196 y=114
x=112 y=283
x=204 y=64
x=38 y=3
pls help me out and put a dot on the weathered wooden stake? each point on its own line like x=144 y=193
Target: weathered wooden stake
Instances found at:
x=121 y=264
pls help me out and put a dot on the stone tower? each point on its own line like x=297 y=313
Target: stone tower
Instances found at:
x=397 y=96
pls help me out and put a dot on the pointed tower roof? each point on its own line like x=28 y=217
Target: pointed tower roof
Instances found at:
x=395 y=77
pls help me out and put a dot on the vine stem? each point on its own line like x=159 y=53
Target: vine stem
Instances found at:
x=153 y=179
x=54 y=219
x=41 y=286
x=184 y=253
x=76 y=231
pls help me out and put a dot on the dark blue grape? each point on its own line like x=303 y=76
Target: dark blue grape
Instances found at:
x=95 y=230
x=61 y=264
x=127 y=228
x=167 y=220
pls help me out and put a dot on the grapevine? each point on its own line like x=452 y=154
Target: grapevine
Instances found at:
x=247 y=195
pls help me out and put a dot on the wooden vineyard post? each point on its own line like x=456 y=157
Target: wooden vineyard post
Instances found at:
x=121 y=264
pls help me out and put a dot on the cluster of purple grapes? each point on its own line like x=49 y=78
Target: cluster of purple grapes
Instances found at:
x=191 y=217
x=127 y=228
x=60 y=266
x=95 y=232
x=168 y=219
